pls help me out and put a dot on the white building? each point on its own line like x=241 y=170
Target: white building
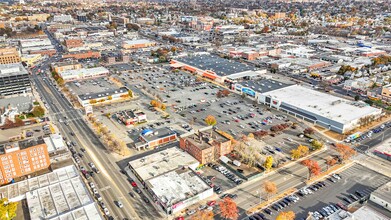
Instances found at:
x=382 y=196
x=62 y=18
x=81 y=74
x=326 y=110
x=170 y=178
x=60 y=194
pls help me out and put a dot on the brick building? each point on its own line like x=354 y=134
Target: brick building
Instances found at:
x=22 y=158
x=206 y=146
x=72 y=43
x=9 y=55
x=82 y=54
x=153 y=139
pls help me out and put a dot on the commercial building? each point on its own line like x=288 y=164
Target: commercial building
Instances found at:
x=328 y=111
x=41 y=46
x=152 y=139
x=384 y=150
x=22 y=158
x=169 y=177
x=216 y=68
x=14 y=79
x=254 y=88
x=82 y=74
x=9 y=55
x=382 y=196
x=130 y=117
x=13 y=106
x=136 y=44
x=62 y=18
x=65 y=66
x=31 y=59
x=85 y=54
x=206 y=145
x=60 y=194
x=97 y=91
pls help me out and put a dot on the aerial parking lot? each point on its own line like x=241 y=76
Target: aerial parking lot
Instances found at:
x=349 y=186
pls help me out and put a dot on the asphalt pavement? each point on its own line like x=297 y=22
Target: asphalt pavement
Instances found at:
x=112 y=184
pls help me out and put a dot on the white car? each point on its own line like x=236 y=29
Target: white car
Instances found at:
x=92 y=185
x=94 y=190
x=106 y=211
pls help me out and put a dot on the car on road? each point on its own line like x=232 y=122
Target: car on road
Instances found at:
x=146 y=200
x=106 y=211
x=92 y=185
x=83 y=150
x=134 y=184
x=211 y=203
x=92 y=165
x=119 y=204
x=98 y=197
x=137 y=190
x=96 y=170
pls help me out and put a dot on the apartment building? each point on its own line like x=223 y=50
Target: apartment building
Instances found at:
x=22 y=158
x=9 y=55
x=14 y=79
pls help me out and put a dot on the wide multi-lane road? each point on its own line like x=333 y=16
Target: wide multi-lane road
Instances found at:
x=111 y=184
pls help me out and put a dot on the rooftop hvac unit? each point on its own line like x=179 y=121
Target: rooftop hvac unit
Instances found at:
x=155 y=133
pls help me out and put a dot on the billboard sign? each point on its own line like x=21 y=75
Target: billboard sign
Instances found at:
x=248 y=91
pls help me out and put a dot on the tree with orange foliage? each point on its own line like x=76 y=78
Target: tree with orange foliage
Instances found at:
x=203 y=215
x=330 y=162
x=290 y=215
x=345 y=151
x=228 y=208
x=270 y=188
x=210 y=120
x=313 y=167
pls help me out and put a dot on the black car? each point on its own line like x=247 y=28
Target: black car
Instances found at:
x=146 y=200
x=360 y=194
x=223 y=196
x=347 y=200
x=275 y=207
x=268 y=211
x=232 y=196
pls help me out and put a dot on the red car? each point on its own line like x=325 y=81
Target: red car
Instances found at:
x=211 y=203
x=180 y=218
x=134 y=184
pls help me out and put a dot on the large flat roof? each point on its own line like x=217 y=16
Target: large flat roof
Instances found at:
x=264 y=85
x=328 y=106
x=12 y=69
x=177 y=185
x=84 y=72
x=158 y=133
x=60 y=194
x=162 y=162
x=138 y=41
x=383 y=192
x=216 y=64
x=17 y=191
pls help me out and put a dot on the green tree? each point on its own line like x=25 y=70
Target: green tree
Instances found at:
x=357 y=97
x=38 y=111
x=130 y=93
x=7 y=209
x=268 y=162
x=317 y=144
